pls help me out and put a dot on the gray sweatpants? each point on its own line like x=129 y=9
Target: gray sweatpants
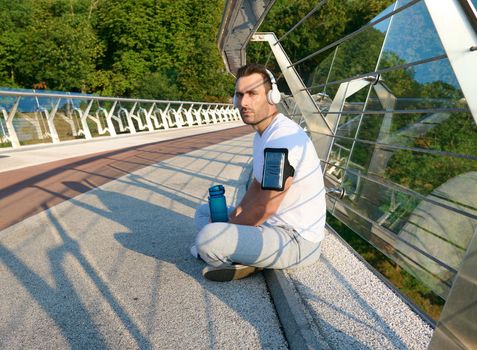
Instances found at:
x=273 y=247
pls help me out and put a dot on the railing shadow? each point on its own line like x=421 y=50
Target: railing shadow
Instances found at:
x=148 y=228
x=63 y=303
x=358 y=315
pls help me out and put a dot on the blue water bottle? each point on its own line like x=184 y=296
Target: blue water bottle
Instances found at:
x=217 y=204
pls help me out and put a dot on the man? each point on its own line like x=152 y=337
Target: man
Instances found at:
x=280 y=221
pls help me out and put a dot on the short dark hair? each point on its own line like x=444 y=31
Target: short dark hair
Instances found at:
x=253 y=68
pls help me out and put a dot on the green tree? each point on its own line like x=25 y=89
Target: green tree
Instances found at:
x=58 y=46
x=329 y=23
x=14 y=18
x=162 y=43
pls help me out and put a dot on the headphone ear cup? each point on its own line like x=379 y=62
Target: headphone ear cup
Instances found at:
x=274 y=96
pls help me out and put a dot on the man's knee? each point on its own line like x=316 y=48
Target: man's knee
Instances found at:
x=212 y=237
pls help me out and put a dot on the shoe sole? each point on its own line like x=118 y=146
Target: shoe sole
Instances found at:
x=229 y=274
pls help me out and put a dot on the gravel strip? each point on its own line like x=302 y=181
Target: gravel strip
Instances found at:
x=352 y=308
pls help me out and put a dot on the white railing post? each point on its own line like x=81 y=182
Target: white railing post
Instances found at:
x=130 y=115
x=109 y=120
x=188 y=112
x=148 y=117
x=83 y=118
x=49 y=120
x=12 y=134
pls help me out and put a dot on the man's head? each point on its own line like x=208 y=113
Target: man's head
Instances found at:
x=252 y=86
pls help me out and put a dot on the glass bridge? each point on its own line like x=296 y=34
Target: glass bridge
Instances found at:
x=392 y=109
x=390 y=103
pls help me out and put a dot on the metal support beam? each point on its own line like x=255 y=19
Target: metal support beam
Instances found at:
x=458 y=37
x=457 y=326
x=240 y=20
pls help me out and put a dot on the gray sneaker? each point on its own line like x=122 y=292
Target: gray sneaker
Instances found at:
x=229 y=273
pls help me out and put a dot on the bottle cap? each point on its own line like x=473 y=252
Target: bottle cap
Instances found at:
x=217 y=189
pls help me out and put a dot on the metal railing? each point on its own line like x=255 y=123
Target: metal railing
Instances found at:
x=34 y=117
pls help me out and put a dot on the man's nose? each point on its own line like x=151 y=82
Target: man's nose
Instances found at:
x=245 y=100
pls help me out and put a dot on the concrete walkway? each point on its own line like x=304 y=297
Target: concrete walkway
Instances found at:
x=107 y=265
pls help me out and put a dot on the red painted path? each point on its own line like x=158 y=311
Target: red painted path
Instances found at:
x=28 y=191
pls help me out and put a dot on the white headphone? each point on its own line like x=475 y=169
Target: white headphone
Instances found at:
x=273 y=96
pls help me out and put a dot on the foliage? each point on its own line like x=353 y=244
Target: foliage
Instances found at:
x=425 y=172
x=143 y=48
x=329 y=23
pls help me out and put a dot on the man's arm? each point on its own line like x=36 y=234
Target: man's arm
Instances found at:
x=258 y=205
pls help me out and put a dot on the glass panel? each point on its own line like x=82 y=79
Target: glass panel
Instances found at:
x=441 y=131
x=337 y=160
x=67 y=123
x=30 y=122
x=411 y=37
x=355 y=56
x=441 y=232
x=385 y=12
x=401 y=3
x=429 y=85
x=424 y=172
x=101 y=112
x=399 y=213
x=417 y=171
x=329 y=23
x=320 y=74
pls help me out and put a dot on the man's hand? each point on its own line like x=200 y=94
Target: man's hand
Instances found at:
x=258 y=205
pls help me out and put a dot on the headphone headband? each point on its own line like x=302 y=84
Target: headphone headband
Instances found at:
x=271 y=77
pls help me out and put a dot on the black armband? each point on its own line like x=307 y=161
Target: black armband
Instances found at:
x=276 y=169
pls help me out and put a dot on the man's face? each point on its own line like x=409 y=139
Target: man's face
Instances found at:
x=251 y=98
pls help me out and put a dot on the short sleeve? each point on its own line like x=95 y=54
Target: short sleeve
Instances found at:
x=290 y=139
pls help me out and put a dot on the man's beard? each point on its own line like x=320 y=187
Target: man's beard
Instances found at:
x=261 y=120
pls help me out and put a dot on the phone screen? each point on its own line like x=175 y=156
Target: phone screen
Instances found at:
x=273 y=169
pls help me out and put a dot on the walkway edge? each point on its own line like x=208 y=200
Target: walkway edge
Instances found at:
x=291 y=312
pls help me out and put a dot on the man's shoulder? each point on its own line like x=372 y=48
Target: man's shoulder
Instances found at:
x=286 y=129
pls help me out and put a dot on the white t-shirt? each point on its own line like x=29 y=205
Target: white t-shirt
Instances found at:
x=304 y=205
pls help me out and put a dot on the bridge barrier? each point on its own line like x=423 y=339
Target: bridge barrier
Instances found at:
x=31 y=117
x=391 y=107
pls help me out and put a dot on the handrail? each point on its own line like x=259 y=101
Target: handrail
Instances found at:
x=100 y=98
x=89 y=116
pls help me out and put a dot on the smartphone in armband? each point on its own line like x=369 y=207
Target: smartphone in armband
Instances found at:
x=276 y=169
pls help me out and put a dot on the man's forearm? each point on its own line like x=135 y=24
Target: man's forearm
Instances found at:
x=249 y=212
x=247 y=198
x=257 y=205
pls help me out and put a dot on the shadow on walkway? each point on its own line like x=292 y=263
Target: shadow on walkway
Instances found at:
x=128 y=241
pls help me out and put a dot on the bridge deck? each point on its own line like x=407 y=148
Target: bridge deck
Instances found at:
x=94 y=254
